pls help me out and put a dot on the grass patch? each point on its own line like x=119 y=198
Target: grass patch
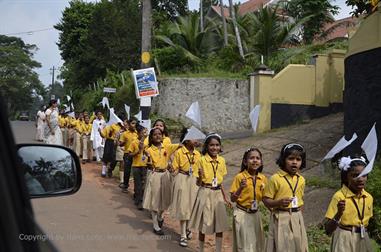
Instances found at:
x=318 y=241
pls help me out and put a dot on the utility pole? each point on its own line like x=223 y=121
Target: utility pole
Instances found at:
x=52 y=69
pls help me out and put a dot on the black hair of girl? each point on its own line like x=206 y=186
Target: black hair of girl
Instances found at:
x=184 y=132
x=132 y=119
x=165 y=131
x=207 y=141
x=150 y=136
x=246 y=154
x=289 y=149
x=53 y=101
x=352 y=165
x=139 y=128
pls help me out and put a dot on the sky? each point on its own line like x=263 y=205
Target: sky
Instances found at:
x=19 y=17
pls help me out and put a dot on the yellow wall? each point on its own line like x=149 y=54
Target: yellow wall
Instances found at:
x=367 y=36
x=320 y=85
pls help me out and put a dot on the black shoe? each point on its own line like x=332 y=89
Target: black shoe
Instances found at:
x=123 y=186
x=103 y=175
x=158 y=232
x=161 y=222
x=140 y=207
x=109 y=173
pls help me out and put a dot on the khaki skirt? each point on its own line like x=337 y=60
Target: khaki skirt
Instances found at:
x=157 y=194
x=209 y=212
x=119 y=153
x=183 y=196
x=287 y=232
x=248 y=234
x=347 y=241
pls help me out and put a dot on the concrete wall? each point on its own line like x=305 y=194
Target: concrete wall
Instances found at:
x=224 y=104
x=362 y=106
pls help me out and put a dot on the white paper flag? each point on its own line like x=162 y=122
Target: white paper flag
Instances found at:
x=72 y=106
x=105 y=102
x=113 y=118
x=72 y=114
x=370 y=147
x=146 y=124
x=127 y=108
x=68 y=98
x=194 y=134
x=138 y=116
x=340 y=145
x=67 y=109
x=194 y=113
x=254 y=116
x=58 y=101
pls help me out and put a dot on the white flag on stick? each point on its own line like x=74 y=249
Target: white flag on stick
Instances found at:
x=139 y=116
x=194 y=134
x=194 y=113
x=105 y=102
x=72 y=115
x=113 y=118
x=127 y=109
x=68 y=98
x=340 y=145
x=370 y=148
x=58 y=101
x=72 y=106
x=254 y=116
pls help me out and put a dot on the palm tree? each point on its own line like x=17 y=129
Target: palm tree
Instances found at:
x=224 y=23
x=186 y=35
x=271 y=32
x=236 y=30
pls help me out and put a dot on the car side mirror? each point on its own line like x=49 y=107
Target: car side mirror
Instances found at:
x=49 y=170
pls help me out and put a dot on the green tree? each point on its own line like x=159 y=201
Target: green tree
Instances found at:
x=19 y=83
x=186 y=35
x=269 y=32
x=321 y=11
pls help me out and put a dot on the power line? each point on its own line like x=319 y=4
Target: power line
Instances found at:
x=29 y=32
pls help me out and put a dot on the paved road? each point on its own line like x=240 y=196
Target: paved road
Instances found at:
x=97 y=218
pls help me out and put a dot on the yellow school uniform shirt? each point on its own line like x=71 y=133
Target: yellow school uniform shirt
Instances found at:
x=161 y=156
x=278 y=188
x=207 y=163
x=350 y=216
x=137 y=159
x=166 y=141
x=78 y=125
x=61 y=121
x=127 y=137
x=86 y=128
x=69 y=121
x=183 y=159
x=247 y=194
x=111 y=131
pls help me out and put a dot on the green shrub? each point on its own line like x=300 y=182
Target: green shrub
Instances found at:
x=172 y=60
x=373 y=187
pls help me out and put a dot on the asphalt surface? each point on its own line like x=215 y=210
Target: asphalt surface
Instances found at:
x=99 y=217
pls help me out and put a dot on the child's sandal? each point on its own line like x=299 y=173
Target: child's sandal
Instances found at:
x=189 y=234
x=183 y=242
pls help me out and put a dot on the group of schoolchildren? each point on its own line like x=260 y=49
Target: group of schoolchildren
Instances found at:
x=77 y=134
x=187 y=183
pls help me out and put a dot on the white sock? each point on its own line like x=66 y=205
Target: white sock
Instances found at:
x=183 y=226
x=104 y=169
x=218 y=244
x=201 y=244
x=121 y=176
x=154 y=221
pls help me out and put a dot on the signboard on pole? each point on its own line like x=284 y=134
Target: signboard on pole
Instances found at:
x=109 y=90
x=145 y=82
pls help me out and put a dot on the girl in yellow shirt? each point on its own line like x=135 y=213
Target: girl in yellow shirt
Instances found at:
x=209 y=212
x=350 y=209
x=157 y=196
x=159 y=123
x=284 y=195
x=184 y=185
x=246 y=191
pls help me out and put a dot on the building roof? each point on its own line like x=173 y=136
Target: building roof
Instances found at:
x=343 y=29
